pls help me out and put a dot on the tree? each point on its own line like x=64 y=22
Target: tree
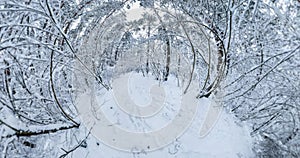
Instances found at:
x=38 y=42
x=262 y=79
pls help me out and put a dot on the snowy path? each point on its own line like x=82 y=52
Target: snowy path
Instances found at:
x=182 y=127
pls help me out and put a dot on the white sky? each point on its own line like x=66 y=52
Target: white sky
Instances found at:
x=135 y=12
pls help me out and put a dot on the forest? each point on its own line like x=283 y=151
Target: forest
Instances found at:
x=62 y=61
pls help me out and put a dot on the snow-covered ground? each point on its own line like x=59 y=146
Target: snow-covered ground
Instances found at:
x=205 y=131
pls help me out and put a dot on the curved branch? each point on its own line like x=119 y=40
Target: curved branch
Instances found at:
x=51 y=16
x=54 y=93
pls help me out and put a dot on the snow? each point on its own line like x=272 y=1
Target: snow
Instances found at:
x=182 y=127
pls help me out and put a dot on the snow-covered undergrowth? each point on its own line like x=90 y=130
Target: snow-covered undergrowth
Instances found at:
x=223 y=135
